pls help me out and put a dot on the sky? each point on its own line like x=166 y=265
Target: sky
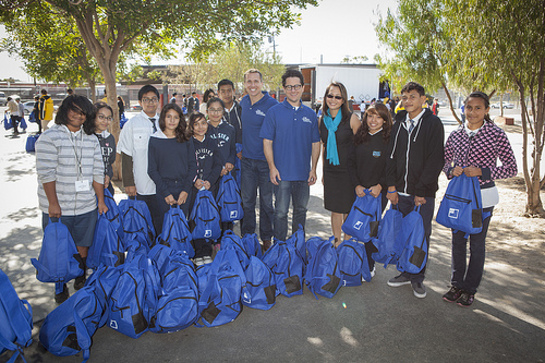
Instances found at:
x=333 y=30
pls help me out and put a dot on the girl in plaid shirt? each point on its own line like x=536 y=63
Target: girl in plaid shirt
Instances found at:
x=473 y=149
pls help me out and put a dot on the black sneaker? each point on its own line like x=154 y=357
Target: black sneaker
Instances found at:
x=398 y=281
x=63 y=296
x=466 y=299
x=419 y=290
x=79 y=282
x=453 y=294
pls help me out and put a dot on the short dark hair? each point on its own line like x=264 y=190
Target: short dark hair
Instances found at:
x=145 y=89
x=225 y=82
x=70 y=91
x=181 y=130
x=79 y=104
x=253 y=70
x=174 y=94
x=292 y=73
x=414 y=86
x=194 y=117
x=193 y=93
x=43 y=91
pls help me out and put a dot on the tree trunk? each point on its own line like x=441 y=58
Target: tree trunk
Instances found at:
x=452 y=109
x=501 y=105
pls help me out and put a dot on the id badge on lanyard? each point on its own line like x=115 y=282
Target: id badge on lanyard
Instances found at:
x=81 y=185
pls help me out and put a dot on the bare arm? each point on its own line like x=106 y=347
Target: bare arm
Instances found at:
x=50 y=190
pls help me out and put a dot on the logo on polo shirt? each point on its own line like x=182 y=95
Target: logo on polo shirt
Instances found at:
x=306 y=119
x=260 y=113
x=376 y=154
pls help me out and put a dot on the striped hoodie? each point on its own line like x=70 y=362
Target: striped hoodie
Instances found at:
x=56 y=161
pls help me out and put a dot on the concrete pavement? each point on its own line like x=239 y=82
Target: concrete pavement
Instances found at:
x=370 y=323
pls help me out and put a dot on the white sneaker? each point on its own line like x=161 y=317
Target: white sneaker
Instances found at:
x=198 y=261
x=207 y=260
x=373 y=271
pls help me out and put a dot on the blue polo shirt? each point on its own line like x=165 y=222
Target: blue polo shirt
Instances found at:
x=292 y=131
x=252 y=119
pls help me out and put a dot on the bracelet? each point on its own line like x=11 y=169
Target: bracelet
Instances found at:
x=395 y=191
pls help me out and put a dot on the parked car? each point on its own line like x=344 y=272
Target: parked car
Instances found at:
x=29 y=106
x=505 y=105
x=3 y=99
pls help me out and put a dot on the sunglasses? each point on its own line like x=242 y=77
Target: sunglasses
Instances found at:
x=335 y=97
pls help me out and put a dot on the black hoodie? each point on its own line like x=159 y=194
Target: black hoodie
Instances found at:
x=414 y=164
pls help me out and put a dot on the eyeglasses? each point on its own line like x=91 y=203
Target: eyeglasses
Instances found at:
x=296 y=87
x=104 y=118
x=149 y=100
x=335 y=97
x=215 y=110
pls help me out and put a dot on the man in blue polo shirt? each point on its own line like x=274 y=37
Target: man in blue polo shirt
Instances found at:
x=291 y=140
x=254 y=168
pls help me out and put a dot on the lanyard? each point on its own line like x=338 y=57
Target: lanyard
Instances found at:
x=79 y=167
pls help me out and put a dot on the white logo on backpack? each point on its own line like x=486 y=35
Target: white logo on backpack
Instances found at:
x=358 y=225
x=208 y=233
x=233 y=214
x=113 y=324
x=453 y=213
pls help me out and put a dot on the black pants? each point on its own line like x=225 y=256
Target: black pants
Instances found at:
x=155 y=211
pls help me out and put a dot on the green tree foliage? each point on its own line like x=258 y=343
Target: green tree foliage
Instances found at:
x=505 y=40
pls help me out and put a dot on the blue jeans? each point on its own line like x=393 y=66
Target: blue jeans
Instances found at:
x=299 y=191
x=464 y=276
x=254 y=175
x=406 y=205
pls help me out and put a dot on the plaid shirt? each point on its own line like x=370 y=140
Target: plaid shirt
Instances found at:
x=482 y=150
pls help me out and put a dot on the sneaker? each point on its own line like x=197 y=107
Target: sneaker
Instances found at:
x=466 y=299
x=198 y=261
x=399 y=281
x=266 y=245
x=419 y=290
x=63 y=296
x=453 y=294
x=79 y=282
x=373 y=271
x=207 y=260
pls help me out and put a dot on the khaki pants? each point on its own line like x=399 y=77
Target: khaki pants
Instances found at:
x=44 y=124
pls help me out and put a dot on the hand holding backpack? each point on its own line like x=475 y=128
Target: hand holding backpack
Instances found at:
x=388 y=250
x=229 y=199
x=363 y=220
x=413 y=237
x=15 y=320
x=205 y=217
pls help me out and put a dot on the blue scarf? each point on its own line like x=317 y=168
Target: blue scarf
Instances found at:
x=332 y=125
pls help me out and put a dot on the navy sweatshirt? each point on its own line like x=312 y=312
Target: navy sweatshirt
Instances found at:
x=208 y=159
x=224 y=135
x=171 y=164
x=367 y=161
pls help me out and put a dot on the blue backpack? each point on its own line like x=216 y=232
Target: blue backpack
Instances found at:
x=297 y=240
x=364 y=217
x=205 y=217
x=413 y=238
x=23 y=124
x=461 y=208
x=15 y=320
x=252 y=246
x=353 y=263
x=287 y=265
x=32 y=117
x=136 y=219
x=126 y=304
x=260 y=285
x=107 y=247
x=59 y=260
x=68 y=329
x=104 y=279
x=175 y=232
x=7 y=122
x=113 y=214
x=229 y=199
x=30 y=145
x=231 y=241
x=177 y=306
x=388 y=250
x=322 y=275
x=123 y=120
x=220 y=302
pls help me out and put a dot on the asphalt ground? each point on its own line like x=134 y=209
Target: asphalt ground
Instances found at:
x=369 y=323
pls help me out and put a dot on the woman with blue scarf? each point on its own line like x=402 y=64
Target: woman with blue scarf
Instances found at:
x=338 y=125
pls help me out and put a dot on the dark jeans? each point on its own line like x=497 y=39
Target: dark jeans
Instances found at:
x=15 y=122
x=81 y=227
x=299 y=192
x=468 y=277
x=254 y=175
x=155 y=211
x=406 y=205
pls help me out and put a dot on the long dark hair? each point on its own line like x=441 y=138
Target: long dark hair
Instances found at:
x=181 y=130
x=77 y=103
x=90 y=126
x=484 y=97
x=363 y=132
x=345 y=110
